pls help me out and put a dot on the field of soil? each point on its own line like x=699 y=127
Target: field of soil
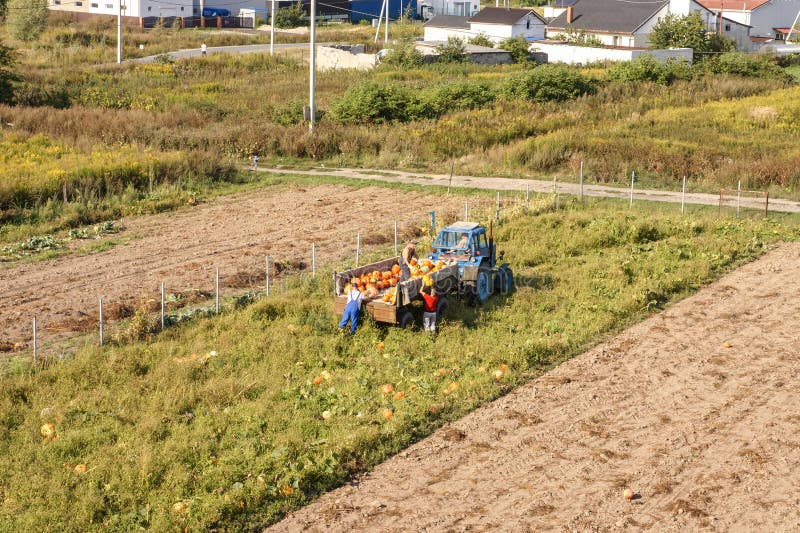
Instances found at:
x=695 y=409
x=183 y=249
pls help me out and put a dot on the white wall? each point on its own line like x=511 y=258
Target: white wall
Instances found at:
x=570 y=54
x=608 y=39
x=330 y=58
x=496 y=32
x=441 y=34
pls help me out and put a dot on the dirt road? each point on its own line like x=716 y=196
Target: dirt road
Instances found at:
x=183 y=249
x=696 y=410
x=511 y=184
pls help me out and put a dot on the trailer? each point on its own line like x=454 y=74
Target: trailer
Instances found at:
x=408 y=291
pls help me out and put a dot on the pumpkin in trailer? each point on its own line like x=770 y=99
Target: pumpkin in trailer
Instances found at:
x=396 y=270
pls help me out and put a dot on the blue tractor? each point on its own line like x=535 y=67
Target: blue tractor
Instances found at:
x=475 y=254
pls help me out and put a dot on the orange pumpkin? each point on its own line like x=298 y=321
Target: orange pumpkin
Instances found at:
x=396 y=270
x=427 y=263
x=393 y=282
x=387 y=274
x=354 y=281
x=387 y=414
x=413 y=262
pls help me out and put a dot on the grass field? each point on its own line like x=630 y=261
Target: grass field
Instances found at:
x=108 y=130
x=218 y=423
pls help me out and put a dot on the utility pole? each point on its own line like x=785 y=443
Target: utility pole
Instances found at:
x=272 y=30
x=386 y=29
x=119 y=34
x=312 y=66
x=380 y=19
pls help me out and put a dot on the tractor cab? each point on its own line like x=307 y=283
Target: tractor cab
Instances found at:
x=473 y=251
x=464 y=242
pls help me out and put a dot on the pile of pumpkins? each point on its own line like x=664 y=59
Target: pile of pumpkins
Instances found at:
x=382 y=285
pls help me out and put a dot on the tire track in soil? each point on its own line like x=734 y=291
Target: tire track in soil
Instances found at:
x=706 y=435
x=183 y=249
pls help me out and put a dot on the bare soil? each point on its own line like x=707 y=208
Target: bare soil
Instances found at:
x=184 y=248
x=695 y=410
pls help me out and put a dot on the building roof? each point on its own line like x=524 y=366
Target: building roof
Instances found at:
x=503 y=15
x=608 y=15
x=448 y=21
x=732 y=5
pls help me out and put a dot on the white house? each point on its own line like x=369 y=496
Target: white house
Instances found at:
x=766 y=17
x=495 y=23
x=440 y=27
x=498 y=23
x=630 y=26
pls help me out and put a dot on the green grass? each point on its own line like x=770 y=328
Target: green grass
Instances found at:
x=794 y=71
x=239 y=439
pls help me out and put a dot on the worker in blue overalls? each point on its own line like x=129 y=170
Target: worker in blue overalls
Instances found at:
x=352 y=311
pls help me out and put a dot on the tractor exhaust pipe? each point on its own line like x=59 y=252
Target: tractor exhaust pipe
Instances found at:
x=491 y=243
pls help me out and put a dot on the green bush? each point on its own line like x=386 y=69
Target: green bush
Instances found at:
x=369 y=102
x=518 y=47
x=453 y=51
x=458 y=96
x=82 y=38
x=481 y=40
x=646 y=68
x=291 y=17
x=747 y=65
x=7 y=76
x=548 y=83
x=404 y=55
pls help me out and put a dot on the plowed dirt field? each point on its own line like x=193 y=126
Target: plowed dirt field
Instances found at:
x=184 y=248
x=696 y=410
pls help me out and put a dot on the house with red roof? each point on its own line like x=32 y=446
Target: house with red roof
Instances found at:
x=765 y=17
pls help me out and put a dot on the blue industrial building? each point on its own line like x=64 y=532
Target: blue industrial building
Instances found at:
x=371 y=9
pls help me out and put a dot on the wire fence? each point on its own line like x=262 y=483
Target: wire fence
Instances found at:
x=131 y=319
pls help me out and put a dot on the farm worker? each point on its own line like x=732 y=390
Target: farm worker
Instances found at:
x=462 y=243
x=255 y=162
x=430 y=300
x=352 y=310
x=203 y=48
x=409 y=253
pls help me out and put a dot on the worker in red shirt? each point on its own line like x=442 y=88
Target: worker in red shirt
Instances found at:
x=430 y=303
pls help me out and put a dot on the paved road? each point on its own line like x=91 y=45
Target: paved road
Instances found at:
x=240 y=49
x=512 y=184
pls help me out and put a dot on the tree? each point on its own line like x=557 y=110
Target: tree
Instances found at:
x=453 y=51
x=674 y=31
x=26 y=19
x=290 y=17
x=7 y=76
